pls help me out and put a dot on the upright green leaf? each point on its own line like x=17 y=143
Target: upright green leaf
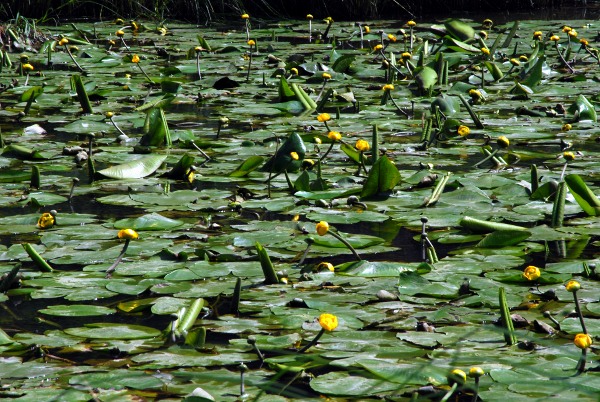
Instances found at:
x=382 y=178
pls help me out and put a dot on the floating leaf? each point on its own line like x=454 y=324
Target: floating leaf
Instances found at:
x=135 y=169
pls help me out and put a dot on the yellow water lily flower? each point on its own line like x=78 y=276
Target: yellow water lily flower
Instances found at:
x=555 y=38
x=245 y=16
x=515 y=62
x=323 y=117
x=251 y=42
x=537 y=35
x=46 y=221
x=569 y=156
x=378 y=47
x=322 y=228
x=294 y=155
x=27 y=67
x=573 y=33
x=309 y=16
x=362 y=145
x=485 y=51
x=583 y=341
x=367 y=29
x=463 y=131
x=532 y=273
x=411 y=23
x=63 y=41
x=135 y=58
x=388 y=87
x=127 y=234
x=392 y=38
x=326 y=76
x=584 y=42
x=120 y=33
x=294 y=70
x=328 y=322
x=334 y=135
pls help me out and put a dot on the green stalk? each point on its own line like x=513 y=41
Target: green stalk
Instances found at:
x=39 y=261
x=267 y=266
x=509 y=330
x=437 y=191
x=35 y=177
x=473 y=115
x=235 y=298
x=187 y=320
x=375 y=144
x=558 y=210
x=82 y=95
x=483 y=226
x=535 y=178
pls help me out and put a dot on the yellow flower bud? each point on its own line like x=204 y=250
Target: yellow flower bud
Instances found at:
x=392 y=38
x=584 y=42
x=367 y=29
x=405 y=55
x=294 y=70
x=251 y=42
x=531 y=273
x=457 y=376
x=388 y=87
x=309 y=16
x=569 y=156
x=573 y=286
x=537 y=35
x=485 y=51
x=135 y=58
x=127 y=234
x=245 y=16
x=362 y=145
x=515 y=62
x=523 y=58
x=120 y=33
x=322 y=228
x=503 y=142
x=325 y=266
x=555 y=38
x=294 y=155
x=27 y=67
x=328 y=322
x=566 y=127
x=476 y=372
x=411 y=23
x=573 y=33
x=566 y=29
x=326 y=76
x=583 y=341
x=109 y=115
x=63 y=41
x=378 y=48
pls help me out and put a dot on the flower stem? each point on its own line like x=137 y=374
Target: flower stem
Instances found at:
x=146 y=75
x=314 y=341
x=249 y=65
x=328 y=150
x=476 y=390
x=340 y=238
x=198 y=65
x=579 y=313
x=581 y=363
x=111 y=269
x=73 y=58
x=450 y=392
x=115 y=124
x=491 y=155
